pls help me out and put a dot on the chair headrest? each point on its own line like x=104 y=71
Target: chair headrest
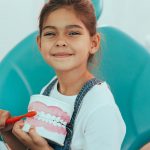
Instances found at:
x=98 y=6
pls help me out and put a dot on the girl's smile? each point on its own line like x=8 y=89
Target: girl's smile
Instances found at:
x=62 y=54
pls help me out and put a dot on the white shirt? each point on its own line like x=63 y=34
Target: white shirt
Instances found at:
x=99 y=124
x=3 y=146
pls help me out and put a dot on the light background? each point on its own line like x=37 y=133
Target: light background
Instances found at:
x=19 y=18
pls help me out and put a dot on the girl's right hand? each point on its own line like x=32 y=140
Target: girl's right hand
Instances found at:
x=4 y=115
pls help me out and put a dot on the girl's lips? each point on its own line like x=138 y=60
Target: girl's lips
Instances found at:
x=62 y=55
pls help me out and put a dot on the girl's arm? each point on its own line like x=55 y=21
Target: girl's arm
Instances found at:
x=12 y=141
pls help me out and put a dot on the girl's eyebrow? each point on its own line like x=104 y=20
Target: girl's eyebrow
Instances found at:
x=49 y=27
x=67 y=27
x=74 y=26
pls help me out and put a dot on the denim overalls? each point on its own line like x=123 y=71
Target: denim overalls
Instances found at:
x=87 y=86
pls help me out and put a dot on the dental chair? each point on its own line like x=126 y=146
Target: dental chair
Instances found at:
x=124 y=64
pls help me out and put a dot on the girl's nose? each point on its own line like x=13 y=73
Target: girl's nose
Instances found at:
x=61 y=43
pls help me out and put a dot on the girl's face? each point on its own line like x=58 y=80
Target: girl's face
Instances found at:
x=65 y=43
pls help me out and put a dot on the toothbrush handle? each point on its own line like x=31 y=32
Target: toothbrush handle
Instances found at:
x=17 y=118
x=14 y=119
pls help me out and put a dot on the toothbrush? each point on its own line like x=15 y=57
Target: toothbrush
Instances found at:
x=17 y=118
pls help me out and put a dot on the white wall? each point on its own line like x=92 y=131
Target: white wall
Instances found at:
x=18 y=18
x=131 y=16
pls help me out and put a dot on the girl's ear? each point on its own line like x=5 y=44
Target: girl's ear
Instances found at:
x=95 y=43
x=38 y=40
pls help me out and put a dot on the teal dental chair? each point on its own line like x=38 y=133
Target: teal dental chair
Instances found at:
x=124 y=64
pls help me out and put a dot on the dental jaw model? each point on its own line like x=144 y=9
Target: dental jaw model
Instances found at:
x=52 y=117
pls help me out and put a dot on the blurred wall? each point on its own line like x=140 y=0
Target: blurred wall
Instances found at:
x=18 y=18
x=131 y=16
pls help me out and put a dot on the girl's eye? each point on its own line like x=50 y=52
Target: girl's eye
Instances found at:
x=49 y=34
x=74 y=33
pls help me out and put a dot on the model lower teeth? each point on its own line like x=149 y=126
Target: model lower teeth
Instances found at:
x=56 y=121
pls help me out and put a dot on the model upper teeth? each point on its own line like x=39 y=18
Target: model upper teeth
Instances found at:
x=56 y=121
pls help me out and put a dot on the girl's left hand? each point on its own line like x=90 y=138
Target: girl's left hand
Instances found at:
x=31 y=139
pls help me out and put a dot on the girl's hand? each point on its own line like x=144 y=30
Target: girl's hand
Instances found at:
x=31 y=139
x=4 y=115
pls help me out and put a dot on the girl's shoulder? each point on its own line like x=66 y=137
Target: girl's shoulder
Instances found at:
x=100 y=94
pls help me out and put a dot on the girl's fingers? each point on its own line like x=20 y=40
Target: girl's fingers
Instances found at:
x=20 y=134
x=30 y=139
x=3 y=116
x=36 y=138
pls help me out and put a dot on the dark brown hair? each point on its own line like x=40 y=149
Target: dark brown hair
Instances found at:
x=83 y=9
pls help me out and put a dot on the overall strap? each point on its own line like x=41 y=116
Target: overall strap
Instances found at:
x=49 y=87
x=78 y=102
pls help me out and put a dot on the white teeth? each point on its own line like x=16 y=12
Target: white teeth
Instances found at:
x=46 y=121
x=65 y=123
x=50 y=121
x=53 y=117
x=42 y=114
x=38 y=118
x=56 y=121
x=47 y=116
x=43 y=119
x=59 y=125
x=61 y=120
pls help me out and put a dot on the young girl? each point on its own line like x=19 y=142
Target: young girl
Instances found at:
x=68 y=41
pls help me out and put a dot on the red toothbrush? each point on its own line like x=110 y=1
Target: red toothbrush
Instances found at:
x=17 y=118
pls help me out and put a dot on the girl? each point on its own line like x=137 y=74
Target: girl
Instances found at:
x=68 y=41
